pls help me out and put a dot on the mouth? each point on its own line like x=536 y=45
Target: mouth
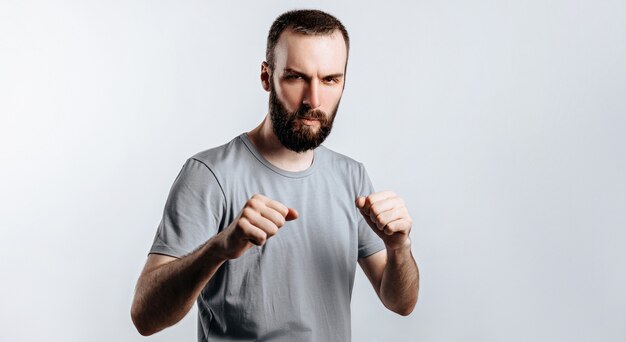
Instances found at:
x=308 y=122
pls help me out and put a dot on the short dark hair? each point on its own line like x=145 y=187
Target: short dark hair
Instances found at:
x=307 y=22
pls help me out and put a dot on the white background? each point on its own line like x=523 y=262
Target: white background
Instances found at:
x=502 y=124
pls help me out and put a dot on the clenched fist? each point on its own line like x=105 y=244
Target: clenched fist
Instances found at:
x=388 y=217
x=260 y=219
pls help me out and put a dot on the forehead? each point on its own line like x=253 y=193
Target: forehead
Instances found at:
x=325 y=54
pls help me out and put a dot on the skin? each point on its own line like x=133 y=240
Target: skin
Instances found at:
x=168 y=287
x=311 y=70
x=392 y=272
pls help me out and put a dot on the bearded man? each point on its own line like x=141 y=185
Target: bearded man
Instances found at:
x=265 y=231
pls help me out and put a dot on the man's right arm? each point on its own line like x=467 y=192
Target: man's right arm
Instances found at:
x=168 y=287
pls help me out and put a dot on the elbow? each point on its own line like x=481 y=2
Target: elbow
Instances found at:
x=142 y=328
x=404 y=311
x=404 y=308
x=140 y=324
x=144 y=332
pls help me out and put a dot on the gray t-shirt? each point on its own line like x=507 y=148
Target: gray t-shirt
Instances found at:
x=297 y=287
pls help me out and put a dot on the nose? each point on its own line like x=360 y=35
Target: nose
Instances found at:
x=311 y=96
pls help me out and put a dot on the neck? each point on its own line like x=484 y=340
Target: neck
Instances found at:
x=267 y=143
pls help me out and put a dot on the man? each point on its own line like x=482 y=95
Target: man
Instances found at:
x=265 y=232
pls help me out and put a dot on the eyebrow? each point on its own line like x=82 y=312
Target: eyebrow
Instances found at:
x=296 y=72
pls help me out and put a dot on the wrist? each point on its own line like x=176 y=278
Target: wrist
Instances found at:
x=215 y=251
x=398 y=251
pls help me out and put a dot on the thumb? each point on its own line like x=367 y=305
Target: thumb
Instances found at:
x=291 y=215
x=360 y=202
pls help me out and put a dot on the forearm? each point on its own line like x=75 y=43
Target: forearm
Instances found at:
x=400 y=281
x=165 y=294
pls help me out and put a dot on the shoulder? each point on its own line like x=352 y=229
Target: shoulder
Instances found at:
x=338 y=160
x=223 y=156
x=217 y=160
x=345 y=170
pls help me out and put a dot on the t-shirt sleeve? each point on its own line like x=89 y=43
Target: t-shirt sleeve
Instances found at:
x=193 y=211
x=369 y=242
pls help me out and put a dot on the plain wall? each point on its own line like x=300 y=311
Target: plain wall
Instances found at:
x=501 y=123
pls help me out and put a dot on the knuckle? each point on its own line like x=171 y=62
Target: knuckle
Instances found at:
x=380 y=225
x=241 y=224
x=372 y=216
x=389 y=229
x=283 y=210
x=254 y=202
x=247 y=212
x=259 y=198
x=375 y=208
x=272 y=231
x=250 y=203
x=379 y=217
x=243 y=220
x=281 y=221
x=394 y=226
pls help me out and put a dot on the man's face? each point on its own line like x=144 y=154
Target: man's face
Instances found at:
x=306 y=87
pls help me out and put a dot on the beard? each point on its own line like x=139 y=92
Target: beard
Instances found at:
x=291 y=132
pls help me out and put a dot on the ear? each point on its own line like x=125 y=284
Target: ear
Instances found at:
x=266 y=73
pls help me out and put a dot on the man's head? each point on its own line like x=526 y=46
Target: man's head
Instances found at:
x=307 y=54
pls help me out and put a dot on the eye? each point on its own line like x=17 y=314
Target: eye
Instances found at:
x=293 y=77
x=331 y=80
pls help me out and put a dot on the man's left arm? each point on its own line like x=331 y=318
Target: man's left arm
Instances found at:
x=392 y=272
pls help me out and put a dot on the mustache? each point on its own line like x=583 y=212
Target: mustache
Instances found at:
x=305 y=112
